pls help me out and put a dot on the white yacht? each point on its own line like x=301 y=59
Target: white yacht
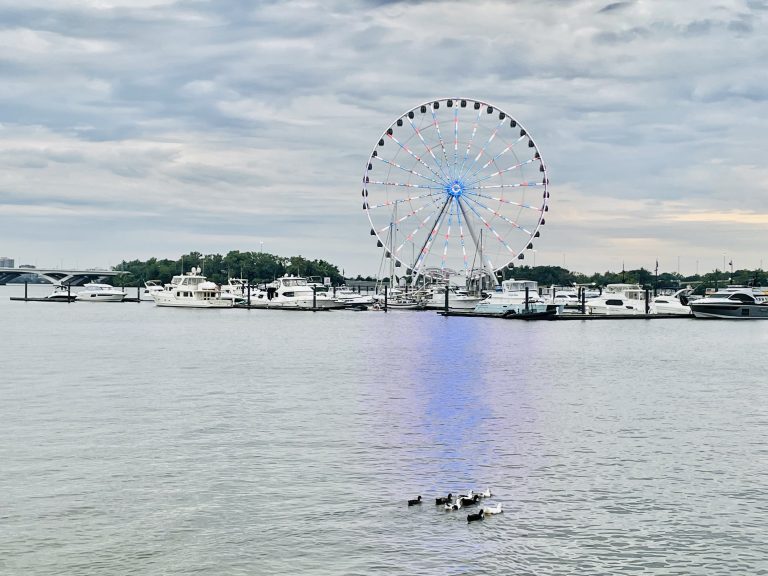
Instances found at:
x=61 y=294
x=458 y=298
x=618 y=299
x=565 y=296
x=348 y=297
x=94 y=292
x=235 y=289
x=509 y=298
x=292 y=292
x=676 y=303
x=191 y=291
x=733 y=302
x=151 y=286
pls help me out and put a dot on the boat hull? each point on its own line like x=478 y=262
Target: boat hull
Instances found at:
x=731 y=312
x=173 y=302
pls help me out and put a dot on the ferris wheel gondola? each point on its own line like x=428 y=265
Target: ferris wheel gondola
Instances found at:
x=455 y=185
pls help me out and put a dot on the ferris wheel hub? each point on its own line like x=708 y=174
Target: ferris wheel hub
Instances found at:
x=455 y=189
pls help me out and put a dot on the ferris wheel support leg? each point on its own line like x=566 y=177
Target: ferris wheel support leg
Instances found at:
x=476 y=240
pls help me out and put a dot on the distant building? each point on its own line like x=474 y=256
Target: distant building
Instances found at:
x=6 y=262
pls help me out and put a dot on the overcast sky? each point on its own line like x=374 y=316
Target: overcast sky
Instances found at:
x=139 y=128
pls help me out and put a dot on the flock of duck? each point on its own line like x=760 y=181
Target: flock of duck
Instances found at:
x=462 y=500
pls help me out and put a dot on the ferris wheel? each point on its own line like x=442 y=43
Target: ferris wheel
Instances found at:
x=455 y=186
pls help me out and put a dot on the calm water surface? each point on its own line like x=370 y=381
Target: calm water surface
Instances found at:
x=141 y=440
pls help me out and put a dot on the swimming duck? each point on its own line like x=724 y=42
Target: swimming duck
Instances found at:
x=475 y=517
x=486 y=494
x=453 y=506
x=414 y=501
x=469 y=501
x=495 y=510
x=444 y=499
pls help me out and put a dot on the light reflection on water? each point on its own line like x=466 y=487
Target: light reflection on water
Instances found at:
x=136 y=440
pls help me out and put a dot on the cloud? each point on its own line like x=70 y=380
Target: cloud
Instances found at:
x=220 y=121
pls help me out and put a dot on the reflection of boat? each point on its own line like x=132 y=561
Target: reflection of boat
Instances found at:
x=676 y=303
x=618 y=299
x=734 y=302
x=292 y=292
x=191 y=291
x=61 y=294
x=510 y=297
x=93 y=292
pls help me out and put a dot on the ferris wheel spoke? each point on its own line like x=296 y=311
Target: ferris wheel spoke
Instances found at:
x=455 y=140
x=504 y=201
x=402 y=200
x=483 y=149
x=444 y=177
x=410 y=237
x=404 y=169
x=410 y=214
x=440 y=137
x=501 y=186
x=471 y=140
x=498 y=215
x=427 y=245
x=461 y=237
x=471 y=178
x=477 y=239
x=418 y=158
x=447 y=233
x=472 y=183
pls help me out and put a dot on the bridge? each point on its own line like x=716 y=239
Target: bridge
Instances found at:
x=58 y=276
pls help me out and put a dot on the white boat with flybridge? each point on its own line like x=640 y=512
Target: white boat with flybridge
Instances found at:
x=61 y=293
x=676 y=303
x=509 y=298
x=734 y=303
x=293 y=292
x=618 y=299
x=191 y=290
x=151 y=286
x=458 y=298
x=95 y=292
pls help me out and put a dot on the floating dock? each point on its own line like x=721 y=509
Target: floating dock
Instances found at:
x=560 y=317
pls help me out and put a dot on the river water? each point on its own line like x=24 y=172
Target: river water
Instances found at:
x=142 y=440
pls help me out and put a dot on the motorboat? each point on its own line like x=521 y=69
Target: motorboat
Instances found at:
x=676 y=303
x=191 y=290
x=292 y=292
x=510 y=298
x=458 y=298
x=348 y=297
x=618 y=299
x=94 y=292
x=567 y=297
x=61 y=294
x=151 y=286
x=734 y=302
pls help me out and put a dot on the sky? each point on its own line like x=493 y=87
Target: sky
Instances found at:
x=139 y=128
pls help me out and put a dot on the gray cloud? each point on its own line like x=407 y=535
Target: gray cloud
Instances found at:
x=239 y=123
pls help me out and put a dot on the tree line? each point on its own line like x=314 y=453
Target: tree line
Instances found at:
x=260 y=267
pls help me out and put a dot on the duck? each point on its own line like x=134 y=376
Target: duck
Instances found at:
x=469 y=494
x=469 y=501
x=486 y=494
x=475 y=517
x=414 y=501
x=444 y=499
x=453 y=505
x=495 y=510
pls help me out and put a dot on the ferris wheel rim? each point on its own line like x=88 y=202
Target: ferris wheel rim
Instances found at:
x=441 y=182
